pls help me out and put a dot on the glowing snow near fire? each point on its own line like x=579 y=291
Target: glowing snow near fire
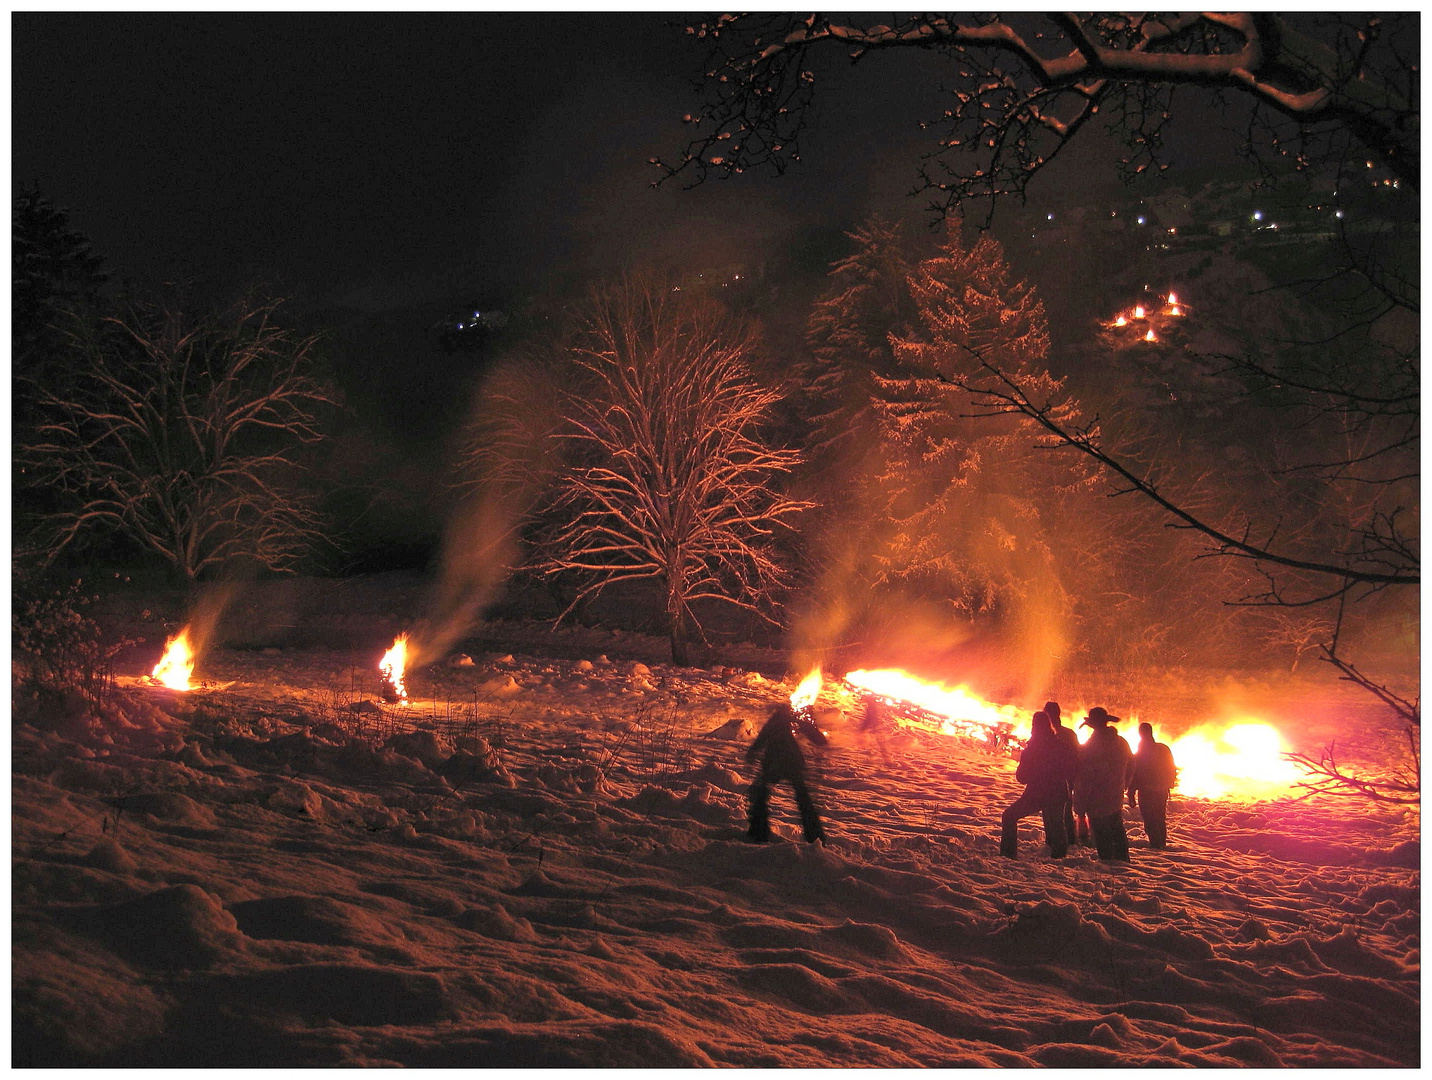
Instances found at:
x=392 y=667
x=177 y=664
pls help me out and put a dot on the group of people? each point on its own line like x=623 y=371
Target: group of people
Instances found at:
x=1079 y=790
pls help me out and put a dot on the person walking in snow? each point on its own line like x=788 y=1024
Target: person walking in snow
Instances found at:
x=1154 y=775
x=1106 y=765
x=782 y=760
x=1045 y=769
x=1076 y=832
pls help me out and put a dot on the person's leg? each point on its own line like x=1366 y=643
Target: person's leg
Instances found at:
x=1009 y=825
x=1119 y=837
x=1054 y=835
x=810 y=816
x=1102 y=828
x=1155 y=811
x=760 y=810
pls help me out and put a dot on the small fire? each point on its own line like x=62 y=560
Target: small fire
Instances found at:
x=1139 y=311
x=804 y=695
x=1173 y=299
x=177 y=664
x=392 y=666
x=1121 y=321
x=1174 y=309
x=1150 y=336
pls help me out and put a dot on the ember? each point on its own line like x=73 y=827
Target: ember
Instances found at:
x=392 y=666
x=177 y=664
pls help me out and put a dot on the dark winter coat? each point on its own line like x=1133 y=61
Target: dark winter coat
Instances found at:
x=1069 y=739
x=1046 y=768
x=777 y=741
x=1154 y=769
x=1105 y=765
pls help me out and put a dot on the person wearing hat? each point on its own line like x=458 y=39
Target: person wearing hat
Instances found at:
x=1045 y=769
x=1076 y=832
x=1105 y=767
x=1154 y=774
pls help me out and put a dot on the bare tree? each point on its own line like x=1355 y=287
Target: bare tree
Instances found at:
x=668 y=476
x=181 y=434
x=1316 y=90
x=1028 y=84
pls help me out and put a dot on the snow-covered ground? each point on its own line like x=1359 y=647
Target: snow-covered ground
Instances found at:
x=540 y=862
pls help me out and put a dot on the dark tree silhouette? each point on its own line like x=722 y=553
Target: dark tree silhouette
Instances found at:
x=1026 y=85
x=181 y=435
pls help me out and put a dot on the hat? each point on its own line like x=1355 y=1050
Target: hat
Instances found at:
x=1098 y=717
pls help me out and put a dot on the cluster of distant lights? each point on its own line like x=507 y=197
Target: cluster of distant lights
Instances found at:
x=1172 y=307
x=724 y=284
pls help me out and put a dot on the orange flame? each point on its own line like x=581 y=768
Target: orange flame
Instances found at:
x=177 y=664
x=1173 y=298
x=1121 y=321
x=962 y=712
x=1217 y=760
x=804 y=695
x=1174 y=309
x=1139 y=312
x=1243 y=760
x=1150 y=336
x=392 y=666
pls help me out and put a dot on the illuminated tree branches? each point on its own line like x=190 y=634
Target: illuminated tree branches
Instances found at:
x=182 y=434
x=667 y=476
x=1025 y=86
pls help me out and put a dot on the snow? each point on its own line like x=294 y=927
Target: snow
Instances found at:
x=540 y=862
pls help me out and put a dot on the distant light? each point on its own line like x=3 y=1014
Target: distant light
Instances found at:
x=1049 y=217
x=1273 y=225
x=1257 y=215
x=1172 y=231
x=1369 y=164
x=477 y=314
x=1113 y=213
x=738 y=277
x=1338 y=215
x=1141 y=220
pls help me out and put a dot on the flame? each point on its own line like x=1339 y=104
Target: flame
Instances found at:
x=1121 y=321
x=804 y=695
x=393 y=665
x=1173 y=298
x=1174 y=309
x=177 y=664
x=1241 y=760
x=962 y=712
x=1139 y=311
x=1150 y=336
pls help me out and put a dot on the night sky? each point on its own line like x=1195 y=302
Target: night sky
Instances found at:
x=376 y=160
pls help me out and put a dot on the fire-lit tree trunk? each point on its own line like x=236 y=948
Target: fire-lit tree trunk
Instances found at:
x=666 y=476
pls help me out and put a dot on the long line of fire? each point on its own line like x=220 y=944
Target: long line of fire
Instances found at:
x=1242 y=758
